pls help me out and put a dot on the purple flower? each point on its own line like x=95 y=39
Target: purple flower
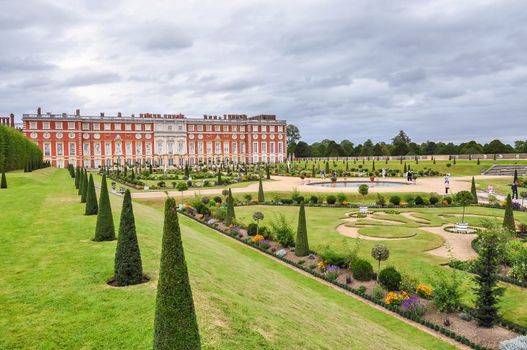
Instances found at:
x=332 y=268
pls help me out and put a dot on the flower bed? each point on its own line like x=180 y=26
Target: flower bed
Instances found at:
x=463 y=331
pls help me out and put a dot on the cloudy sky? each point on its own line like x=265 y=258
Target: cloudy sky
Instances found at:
x=444 y=70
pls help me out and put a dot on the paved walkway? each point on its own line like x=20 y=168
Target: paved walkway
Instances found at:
x=289 y=183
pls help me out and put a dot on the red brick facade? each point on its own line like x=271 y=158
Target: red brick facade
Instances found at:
x=165 y=140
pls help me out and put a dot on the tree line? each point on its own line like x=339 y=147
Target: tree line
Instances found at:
x=16 y=152
x=400 y=145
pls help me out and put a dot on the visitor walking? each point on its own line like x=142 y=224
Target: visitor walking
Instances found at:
x=447 y=186
x=383 y=172
x=490 y=189
x=514 y=189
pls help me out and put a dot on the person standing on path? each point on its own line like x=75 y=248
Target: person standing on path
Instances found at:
x=447 y=186
x=383 y=172
x=514 y=188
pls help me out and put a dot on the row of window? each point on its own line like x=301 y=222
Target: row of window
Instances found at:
x=117 y=149
x=92 y=126
x=235 y=128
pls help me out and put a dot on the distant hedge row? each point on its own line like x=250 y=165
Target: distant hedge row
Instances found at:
x=16 y=151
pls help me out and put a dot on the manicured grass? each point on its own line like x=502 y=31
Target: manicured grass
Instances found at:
x=407 y=255
x=501 y=185
x=53 y=292
x=461 y=168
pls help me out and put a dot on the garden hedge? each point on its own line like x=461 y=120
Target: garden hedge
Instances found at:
x=16 y=151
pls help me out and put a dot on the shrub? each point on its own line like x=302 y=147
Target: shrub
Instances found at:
x=408 y=283
x=331 y=199
x=283 y=232
x=380 y=252
x=161 y=184
x=381 y=201
x=266 y=232
x=390 y=278
x=332 y=272
x=332 y=257
x=205 y=200
x=248 y=197
x=175 y=325
x=91 y=198
x=341 y=197
x=252 y=229
x=361 y=289
x=377 y=292
x=313 y=199
x=434 y=200
x=447 y=294
x=362 y=270
x=218 y=199
x=419 y=200
x=219 y=213
x=395 y=200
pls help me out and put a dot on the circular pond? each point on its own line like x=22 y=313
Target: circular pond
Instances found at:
x=352 y=184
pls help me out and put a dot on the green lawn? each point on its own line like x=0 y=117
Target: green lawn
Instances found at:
x=53 y=293
x=501 y=185
x=407 y=255
x=461 y=168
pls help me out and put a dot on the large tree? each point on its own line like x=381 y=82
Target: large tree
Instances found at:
x=175 y=325
x=485 y=270
x=128 y=266
x=302 y=149
x=293 y=134
x=104 y=229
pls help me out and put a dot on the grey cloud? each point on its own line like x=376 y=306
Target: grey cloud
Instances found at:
x=336 y=69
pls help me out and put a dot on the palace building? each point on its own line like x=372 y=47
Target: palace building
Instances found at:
x=164 y=140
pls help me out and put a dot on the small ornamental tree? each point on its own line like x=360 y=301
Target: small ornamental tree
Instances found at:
x=463 y=198
x=104 y=229
x=181 y=187
x=175 y=325
x=380 y=252
x=473 y=191
x=84 y=190
x=91 y=198
x=219 y=178
x=231 y=215
x=363 y=189
x=508 y=219
x=258 y=216
x=3 y=182
x=128 y=266
x=515 y=179
x=261 y=197
x=485 y=270
x=268 y=172
x=301 y=245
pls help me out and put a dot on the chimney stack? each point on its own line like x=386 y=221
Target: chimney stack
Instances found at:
x=78 y=112
x=39 y=111
x=119 y=114
x=102 y=114
x=12 y=120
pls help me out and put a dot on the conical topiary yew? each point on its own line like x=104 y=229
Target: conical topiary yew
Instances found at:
x=301 y=245
x=508 y=219
x=175 y=325
x=81 y=179
x=261 y=196
x=128 y=266
x=3 y=182
x=473 y=191
x=77 y=177
x=104 y=230
x=84 y=189
x=91 y=198
x=231 y=215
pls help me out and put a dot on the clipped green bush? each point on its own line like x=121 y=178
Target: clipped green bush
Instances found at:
x=104 y=229
x=395 y=200
x=362 y=270
x=301 y=244
x=331 y=199
x=390 y=278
